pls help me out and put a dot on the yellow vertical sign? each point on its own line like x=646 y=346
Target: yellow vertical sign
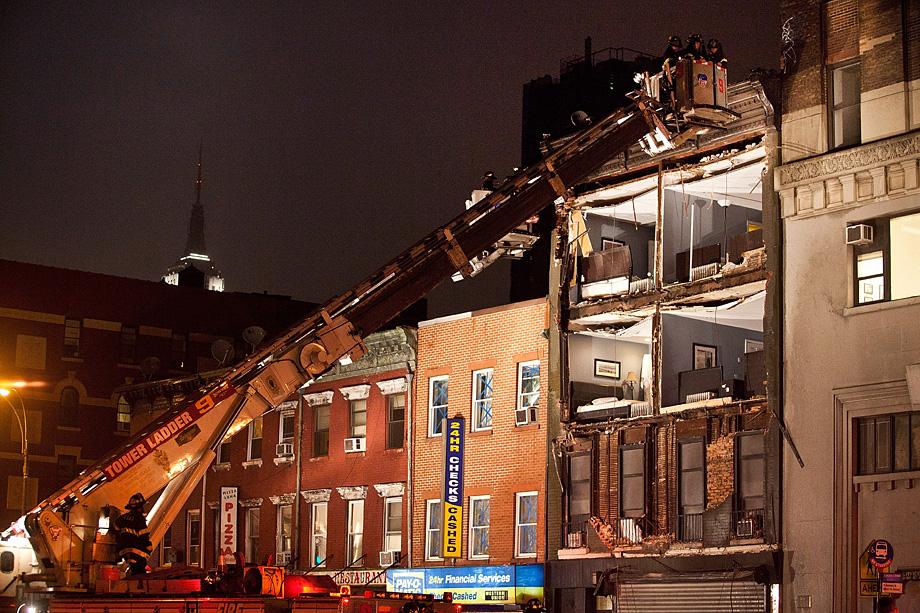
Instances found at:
x=452 y=524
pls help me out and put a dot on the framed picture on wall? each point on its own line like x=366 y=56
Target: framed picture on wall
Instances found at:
x=610 y=243
x=704 y=356
x=606 y=368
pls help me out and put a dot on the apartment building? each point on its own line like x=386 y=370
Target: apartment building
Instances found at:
x=848 y=186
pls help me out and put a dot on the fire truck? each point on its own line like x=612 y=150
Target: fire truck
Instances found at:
x=73 y=568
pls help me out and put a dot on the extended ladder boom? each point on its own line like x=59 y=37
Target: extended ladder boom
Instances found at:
x=177 y=447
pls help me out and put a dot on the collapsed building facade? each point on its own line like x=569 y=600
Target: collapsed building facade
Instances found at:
x=664 y=302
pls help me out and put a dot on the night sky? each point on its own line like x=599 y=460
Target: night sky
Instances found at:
x=335 y=134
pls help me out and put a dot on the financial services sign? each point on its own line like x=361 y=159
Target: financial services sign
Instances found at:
x=452 y=525
x=472 y=584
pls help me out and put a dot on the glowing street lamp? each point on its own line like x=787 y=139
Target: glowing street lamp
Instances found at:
x=5 y=393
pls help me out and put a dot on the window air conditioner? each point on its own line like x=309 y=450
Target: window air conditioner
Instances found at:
x=574 y=540
x=524 y=416
x=860 y=234
x=354 y=445
x=745 y=528
x=389 y=558
x=284 y=450
x=282 y=558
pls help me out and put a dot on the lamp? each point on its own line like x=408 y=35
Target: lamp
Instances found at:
x=5 y=393
x=630 y=382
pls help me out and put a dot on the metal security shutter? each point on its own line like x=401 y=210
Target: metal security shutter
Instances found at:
x=693 y=597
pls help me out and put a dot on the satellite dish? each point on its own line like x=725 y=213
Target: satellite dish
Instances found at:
x=149 y=366
x=580 y=119
x=253 y=335
x=222 y=351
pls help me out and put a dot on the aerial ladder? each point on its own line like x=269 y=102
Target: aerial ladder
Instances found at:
x=170 y=455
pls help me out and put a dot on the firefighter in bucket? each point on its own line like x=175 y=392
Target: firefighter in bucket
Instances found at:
x=132 y=536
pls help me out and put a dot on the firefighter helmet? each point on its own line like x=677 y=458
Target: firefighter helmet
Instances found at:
x=136 y=501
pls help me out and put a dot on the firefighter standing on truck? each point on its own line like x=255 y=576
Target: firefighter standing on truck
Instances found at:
x=132 y=536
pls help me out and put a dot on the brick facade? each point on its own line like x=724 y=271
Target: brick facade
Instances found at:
x=500 y=461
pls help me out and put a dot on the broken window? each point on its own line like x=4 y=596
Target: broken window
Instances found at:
x=691 y=489
x=632 y=481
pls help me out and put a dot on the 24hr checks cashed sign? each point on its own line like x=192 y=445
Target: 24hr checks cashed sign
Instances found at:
x=228 y=497
x=452 y=525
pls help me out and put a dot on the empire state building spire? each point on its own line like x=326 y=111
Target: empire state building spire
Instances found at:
x=195 y=268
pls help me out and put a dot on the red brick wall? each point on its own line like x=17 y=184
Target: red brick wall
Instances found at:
x=499 y=462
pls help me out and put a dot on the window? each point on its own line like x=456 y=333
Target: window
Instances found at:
x=632 y=481
x=525 y=525
x=355 y=543
x=888 y=443
x=691 y=484
x=193 y=537
x=251 y=545
x=843 y=105
x=254 y=449
x=179 y=349
x=482 y=399
x=122 y=415
x=72 y=337
x=579 y=491
x=396 y=420
x=357 y=418
x=66 y=466
x=318 y=532
x=215 y=526
x=392 y=524
x=750 y=473
x=321 y=431
x=223 y=452
x=528 y=384
x=433 y=518
x=479 y=527
x=286 y=427
x=283 y=542
x=437 y=404
x=70 y=403
x=127 y=344
x=884 y=269
x=167 y=553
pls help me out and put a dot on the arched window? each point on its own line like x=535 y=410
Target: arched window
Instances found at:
x=70 y=403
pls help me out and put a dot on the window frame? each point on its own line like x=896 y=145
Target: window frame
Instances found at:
x=912 y=443
x=279 y=526
x=435 y=426
x=166 y=547
x=321 y=436
x=223 y=451
x=284 y=416
x=192 y=516
x=250 y=438
x=69 y=416
x=682 y=470
x=832 y=69
x=519 y=401
x=392 y=422
x=740 y=458
x=431 y=532
x=476 y=404
x=251 y=542
x=472 y=529
x=73 y=331
x=122 y=425
x=352 y=427
x=350 y=557
x=622 y=475
x=880 y=243
x=127 y=344
x=387 y=533
x=314 y=533
x=589 y=454
x=518 y=525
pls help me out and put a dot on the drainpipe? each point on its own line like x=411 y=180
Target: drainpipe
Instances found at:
x=298 y=459
x=409 y=434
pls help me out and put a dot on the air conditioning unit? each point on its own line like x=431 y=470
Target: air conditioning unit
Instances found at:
x=354 y=445
x=284 y=450
x=527 y=415
x=282 y=558
x=745 y=528
x=575 y=540
x=860 y=234
x=389 y=558
x=699 y=397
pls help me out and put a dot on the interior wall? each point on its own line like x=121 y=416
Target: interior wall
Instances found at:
x=678 y=334
x=637 y=239
x=584 y=349
x=713 y=224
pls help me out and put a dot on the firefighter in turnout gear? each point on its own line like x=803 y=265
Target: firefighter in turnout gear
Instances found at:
x=132 y=536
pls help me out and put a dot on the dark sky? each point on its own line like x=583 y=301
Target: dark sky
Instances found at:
x=335 y=134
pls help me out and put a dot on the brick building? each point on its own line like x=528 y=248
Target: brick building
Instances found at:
x=668 y=453
x=489 y=367
x=342 y=514
x=77 y=336
x=848 y=185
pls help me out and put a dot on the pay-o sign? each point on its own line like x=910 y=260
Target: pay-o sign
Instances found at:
x=881 y=553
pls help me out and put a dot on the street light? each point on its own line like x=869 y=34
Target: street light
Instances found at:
x=5 y=393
